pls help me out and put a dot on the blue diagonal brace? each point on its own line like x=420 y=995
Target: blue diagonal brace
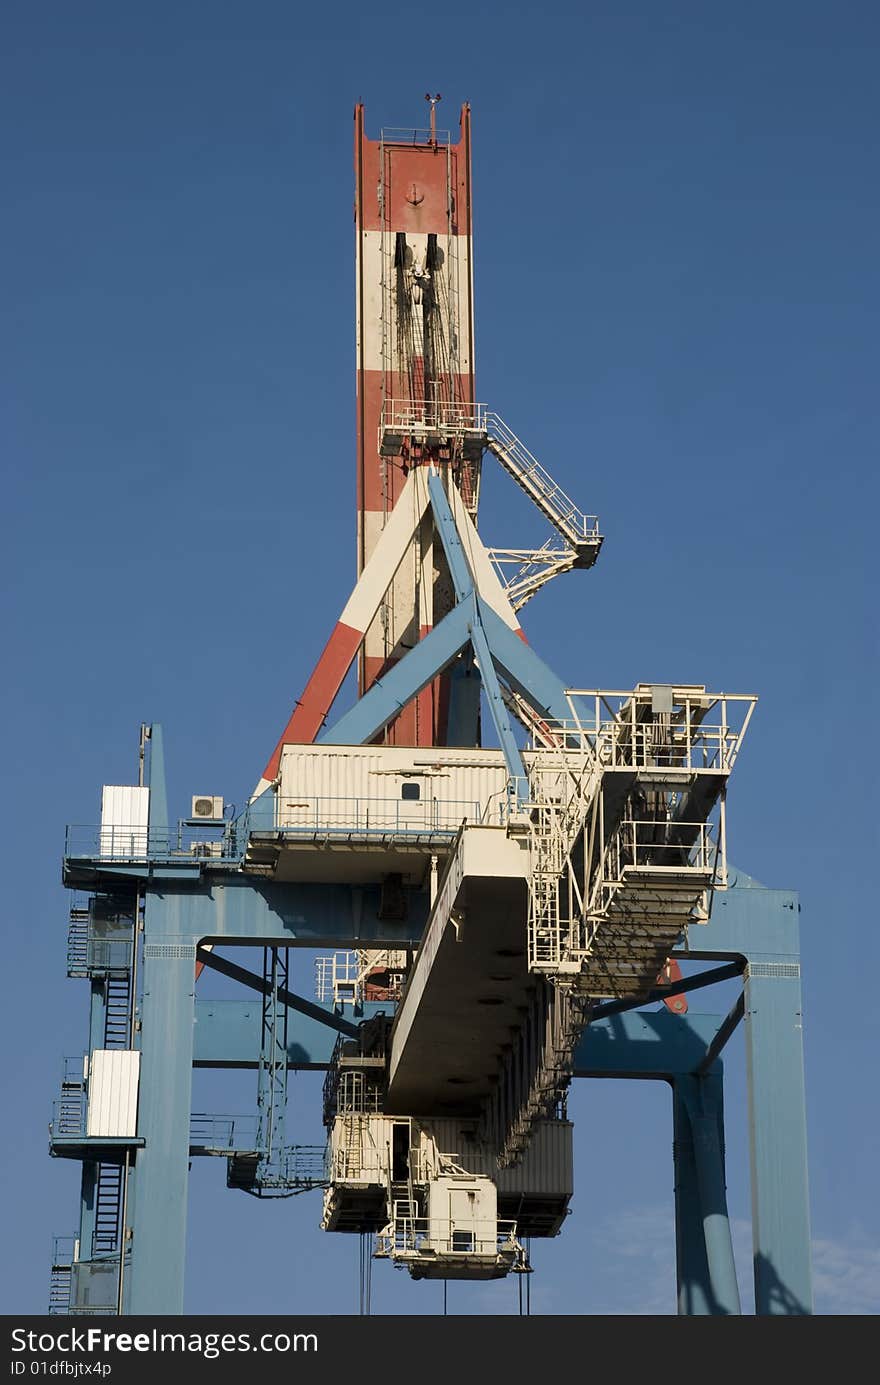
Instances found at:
x=521 y=668
x=390 y=694
x=512 y=758
x=463 y=581
x=459 y=568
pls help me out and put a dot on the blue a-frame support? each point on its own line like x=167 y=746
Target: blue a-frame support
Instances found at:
x=471 y=623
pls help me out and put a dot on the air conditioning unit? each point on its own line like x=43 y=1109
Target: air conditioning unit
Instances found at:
x=208 y=808
x=206 y=849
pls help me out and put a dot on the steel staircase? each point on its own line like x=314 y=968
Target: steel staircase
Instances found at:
x=99 y=948
x=78 y=941
x=59 y=1289
x=632 y=943
x=579 y=530
x=62 y=1270
x=109 y=1184
x=652 y=881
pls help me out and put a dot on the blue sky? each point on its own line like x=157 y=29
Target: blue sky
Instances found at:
x=676 y=221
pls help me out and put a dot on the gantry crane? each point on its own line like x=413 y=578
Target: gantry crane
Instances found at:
x=494 y=920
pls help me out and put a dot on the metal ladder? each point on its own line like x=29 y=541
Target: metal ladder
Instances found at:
x=117 y=1019
x=352 y=1133
x=545 y=942
x=108 y=1204
x=557 y=814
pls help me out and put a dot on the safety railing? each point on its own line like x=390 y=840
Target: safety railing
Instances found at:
x=436 y=422
x=297 y=1167
x=390 y=134
x=109 y=954
x=64 y=1250
x=68 y=1116
x=661 y=846
x=364 y=817
x=88 y=952
x=69 y=1109
x=73 y=1072
x=208 y=1134
x=140 y=844
x=337 y=976
x=221 y=1134
x=639 y=853
x=415 y=415
x=655 y=727
x=406 y=1234
x=94 y=1286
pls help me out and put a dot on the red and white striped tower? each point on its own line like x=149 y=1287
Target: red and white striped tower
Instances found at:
x=415 y=368
x=415 y=361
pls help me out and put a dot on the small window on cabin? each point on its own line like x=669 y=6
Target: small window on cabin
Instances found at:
x=410 y=792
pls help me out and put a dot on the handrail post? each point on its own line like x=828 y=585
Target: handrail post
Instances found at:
x=687 y=719
x=723 y=747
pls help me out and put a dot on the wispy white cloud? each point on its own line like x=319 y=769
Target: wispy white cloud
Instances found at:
x=632 y=1264
x=631 y=1261
x=846 y=1276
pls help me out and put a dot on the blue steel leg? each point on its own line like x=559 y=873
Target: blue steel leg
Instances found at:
x=158 y=1221
x=695 y=1298
x=97 y=1014
x=463 y=724
x=88 y=1188
x=702 y=1098
x=778 y=1138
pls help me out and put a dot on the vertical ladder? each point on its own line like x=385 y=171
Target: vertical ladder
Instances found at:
x=117 y=1022
x=352 y=1128
x=108 y=1203
x=545 y=942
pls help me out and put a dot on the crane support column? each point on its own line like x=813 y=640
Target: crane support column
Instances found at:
x=695 y=1297
x=761 y=926
x=155 y=1282
x=704 y=1251
x=778 y=1137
